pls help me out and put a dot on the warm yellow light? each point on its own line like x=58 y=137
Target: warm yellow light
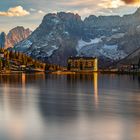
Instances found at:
x=95 y=80
x=96 y=64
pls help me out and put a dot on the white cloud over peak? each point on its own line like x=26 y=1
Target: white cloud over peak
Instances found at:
x=41 y=12
x=111 y=4
x=17 y=11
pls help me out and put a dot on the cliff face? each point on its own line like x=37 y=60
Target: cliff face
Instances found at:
x=62 y=35
x=13 y=37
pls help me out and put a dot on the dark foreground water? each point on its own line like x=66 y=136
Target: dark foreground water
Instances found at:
x=69 y=107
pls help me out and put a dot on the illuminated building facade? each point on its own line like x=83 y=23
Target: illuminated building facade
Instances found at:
x=83 y=64
x=1 y=55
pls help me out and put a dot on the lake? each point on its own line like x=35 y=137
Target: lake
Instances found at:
x=69 y=107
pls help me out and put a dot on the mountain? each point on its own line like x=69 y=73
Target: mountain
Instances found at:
x=13 y=37
x=133 y=58
x=55 y=39
x=61 y=35
x=108 y=25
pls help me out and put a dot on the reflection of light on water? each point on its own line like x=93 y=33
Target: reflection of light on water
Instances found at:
x=96 y=88
x=23 y=79
x=31 y=90
x=16 y=117
x=23 y=83
x=16 y=128
x=99 y=128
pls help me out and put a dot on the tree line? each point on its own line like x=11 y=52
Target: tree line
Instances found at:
x=10 y=59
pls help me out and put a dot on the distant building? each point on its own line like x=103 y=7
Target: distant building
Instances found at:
x=83 y=64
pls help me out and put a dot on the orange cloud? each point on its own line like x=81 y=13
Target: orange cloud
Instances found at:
x=111 y=4
x=14 y=11
x=131 y=1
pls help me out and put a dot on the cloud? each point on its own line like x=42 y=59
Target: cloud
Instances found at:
x=32 y=9
x=41 y=12
x=94 y=7
x=17 y=11
x=78 y=2
x=112 y=4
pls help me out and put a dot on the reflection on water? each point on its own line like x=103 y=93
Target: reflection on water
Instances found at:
x=69 y=107
x=95 y=86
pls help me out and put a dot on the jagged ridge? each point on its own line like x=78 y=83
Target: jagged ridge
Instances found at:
x=60 y=35
x=14 y=36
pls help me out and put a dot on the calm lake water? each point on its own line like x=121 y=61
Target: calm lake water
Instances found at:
x=69 y=107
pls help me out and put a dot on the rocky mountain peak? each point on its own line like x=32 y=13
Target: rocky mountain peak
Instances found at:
x=72 y=22
x=68 y=16
x=17 y=34
x=58 y=33
x=14 y=36
x=61 y=22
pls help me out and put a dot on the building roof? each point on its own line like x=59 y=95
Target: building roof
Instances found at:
x=77 y=58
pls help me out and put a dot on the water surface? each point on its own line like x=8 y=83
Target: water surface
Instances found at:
x=69 y=107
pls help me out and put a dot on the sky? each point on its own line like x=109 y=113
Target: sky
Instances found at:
x=29 y=13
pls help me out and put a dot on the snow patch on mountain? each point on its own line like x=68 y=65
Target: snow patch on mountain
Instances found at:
x=112 y=52
x=108 y=51
x=26 y=44
x=114 y=30
x=115 y=36
x=82 y=43
x=52 y=49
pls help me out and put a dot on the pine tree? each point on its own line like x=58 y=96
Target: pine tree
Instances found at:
x=1 y=64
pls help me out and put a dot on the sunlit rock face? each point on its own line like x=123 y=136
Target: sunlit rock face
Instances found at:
x=61 y=35
x=13 y=37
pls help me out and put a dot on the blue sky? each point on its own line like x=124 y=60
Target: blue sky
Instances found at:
x=29 y=13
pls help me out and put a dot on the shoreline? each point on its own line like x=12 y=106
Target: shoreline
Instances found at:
x=74 y=72
x=92 y=72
